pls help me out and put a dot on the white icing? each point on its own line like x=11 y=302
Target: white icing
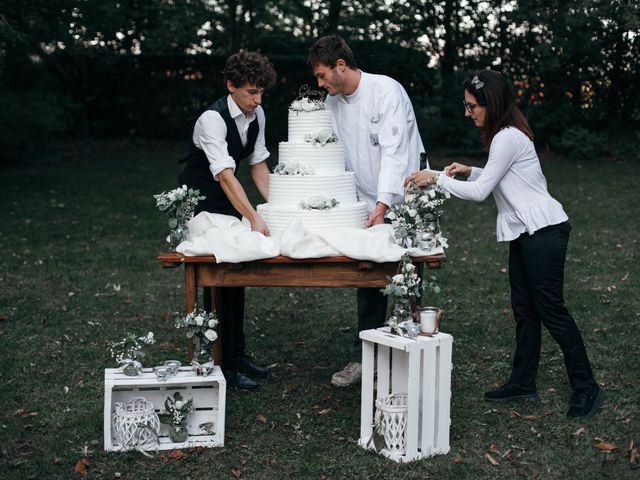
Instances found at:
x=302 y=123
x=352 y=216
x=290 y=190
x=324 y=160
x=329 y=179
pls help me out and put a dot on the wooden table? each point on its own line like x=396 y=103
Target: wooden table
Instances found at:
x=331 y=272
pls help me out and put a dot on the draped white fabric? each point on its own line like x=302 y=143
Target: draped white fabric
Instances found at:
x=232 y=241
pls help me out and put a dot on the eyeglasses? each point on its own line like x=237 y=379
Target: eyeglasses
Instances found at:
x=469 y=106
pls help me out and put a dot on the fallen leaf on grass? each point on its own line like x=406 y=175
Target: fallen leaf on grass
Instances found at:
x=324 y=411
x=163 y=458
x=634 y=458
x=607 y=447
x=81 y=466
x=491 y=460
x=57 y=460
x=579 y=431
x=625 y=278
x=261 y=419
x=21 y=412
x=237 y=472
x=458 y=461
x=3 y=318
x=177 y=454
x=494 y=448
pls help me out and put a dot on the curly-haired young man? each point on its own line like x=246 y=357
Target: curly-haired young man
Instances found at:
x=229 y=132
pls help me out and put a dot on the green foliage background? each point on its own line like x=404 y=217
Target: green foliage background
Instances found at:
x=148 y=68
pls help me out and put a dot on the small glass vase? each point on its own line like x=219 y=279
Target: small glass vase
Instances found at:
x=178 y=235
x=178 y=432
x=132 y=368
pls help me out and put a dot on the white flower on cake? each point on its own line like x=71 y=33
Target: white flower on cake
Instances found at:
x=319 y=202
x=320 y=137
x=292 y=168
x=305 y=104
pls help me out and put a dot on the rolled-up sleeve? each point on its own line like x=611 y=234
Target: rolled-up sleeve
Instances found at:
x=260 y=152
x=209 y=135
x=394 y=144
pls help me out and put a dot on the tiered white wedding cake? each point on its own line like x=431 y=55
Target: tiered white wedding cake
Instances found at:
x=310 y=181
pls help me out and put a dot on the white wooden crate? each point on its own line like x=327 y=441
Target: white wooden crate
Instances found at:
x=208 y=393
x=419 y=367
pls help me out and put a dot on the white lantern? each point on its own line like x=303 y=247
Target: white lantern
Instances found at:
x=136 y=424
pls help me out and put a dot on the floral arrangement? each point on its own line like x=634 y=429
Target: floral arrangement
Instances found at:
x=292 y=168
x=416 y=225
x=320 y=138
x=403 y=288
x=199 y=326
x=416 y=222
x=129 y=352
x=176 y=410
x=319 y=202
x=179 y=204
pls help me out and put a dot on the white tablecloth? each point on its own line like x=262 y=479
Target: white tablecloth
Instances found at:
x=232 y=241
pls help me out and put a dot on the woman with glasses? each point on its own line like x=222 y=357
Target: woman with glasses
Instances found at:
x=537 y=229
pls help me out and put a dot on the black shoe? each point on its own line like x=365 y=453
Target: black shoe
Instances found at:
x=238 y=380
x=585 y=403
x=245 y=365
x=511 y=392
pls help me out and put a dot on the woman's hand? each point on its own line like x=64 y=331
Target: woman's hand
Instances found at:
x=457 y=169
x=421 y=178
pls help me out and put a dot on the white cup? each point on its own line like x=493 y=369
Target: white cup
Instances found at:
x=429 y=317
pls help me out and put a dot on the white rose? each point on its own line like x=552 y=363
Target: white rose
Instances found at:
x=409 y=197
x=179 y=404
x=398 y=278
x=316 y=201
x=296 y=105
x=409 y=267
x=412 y=212
x=306 y=105
x=172 y=196
x=199 y=320
x=432 y=193
x=391 y=216
x=150 y=338
x=211 y=335
x=212 y=323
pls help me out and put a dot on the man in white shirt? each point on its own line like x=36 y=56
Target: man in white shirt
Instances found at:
x=229 y=132
x=374 y=118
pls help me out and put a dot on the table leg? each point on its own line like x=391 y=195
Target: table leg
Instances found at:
x=191 y=294
x=217 y=345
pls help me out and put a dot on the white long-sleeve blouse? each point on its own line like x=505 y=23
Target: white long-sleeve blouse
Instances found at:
x=514 y=176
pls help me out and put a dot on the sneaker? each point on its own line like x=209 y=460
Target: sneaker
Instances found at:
x=585 y=403
x=510 y=392
x=350 y=374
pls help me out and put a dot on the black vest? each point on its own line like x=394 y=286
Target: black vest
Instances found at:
x=196 y=173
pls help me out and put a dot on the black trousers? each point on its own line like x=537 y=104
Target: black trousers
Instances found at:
x=372 y=313
x=231 y=299
x=536 y=275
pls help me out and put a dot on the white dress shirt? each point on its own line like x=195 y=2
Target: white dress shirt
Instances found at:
x=378 y=128
x=210 y=133
x=514 y=175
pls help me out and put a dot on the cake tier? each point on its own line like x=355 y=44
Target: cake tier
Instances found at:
x=304 y=123
x=324 y=159
x=350 y=216
x=290 y=190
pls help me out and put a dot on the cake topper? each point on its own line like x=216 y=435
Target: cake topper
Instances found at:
x=308 y=100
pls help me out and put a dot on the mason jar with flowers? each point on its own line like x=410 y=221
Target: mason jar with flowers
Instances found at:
x=199 y=327
x=176 y=412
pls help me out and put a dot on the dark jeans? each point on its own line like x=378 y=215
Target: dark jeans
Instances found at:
x=536 y=275
x=372 y=313
x=231 y=327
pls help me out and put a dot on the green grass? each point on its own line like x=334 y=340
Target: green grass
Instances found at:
x=79 y=223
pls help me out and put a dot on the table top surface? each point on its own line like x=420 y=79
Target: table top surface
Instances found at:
x=178 y=258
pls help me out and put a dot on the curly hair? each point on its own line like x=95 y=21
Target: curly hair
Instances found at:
x=249 y=67
x=492 y=91
x=328 y=50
